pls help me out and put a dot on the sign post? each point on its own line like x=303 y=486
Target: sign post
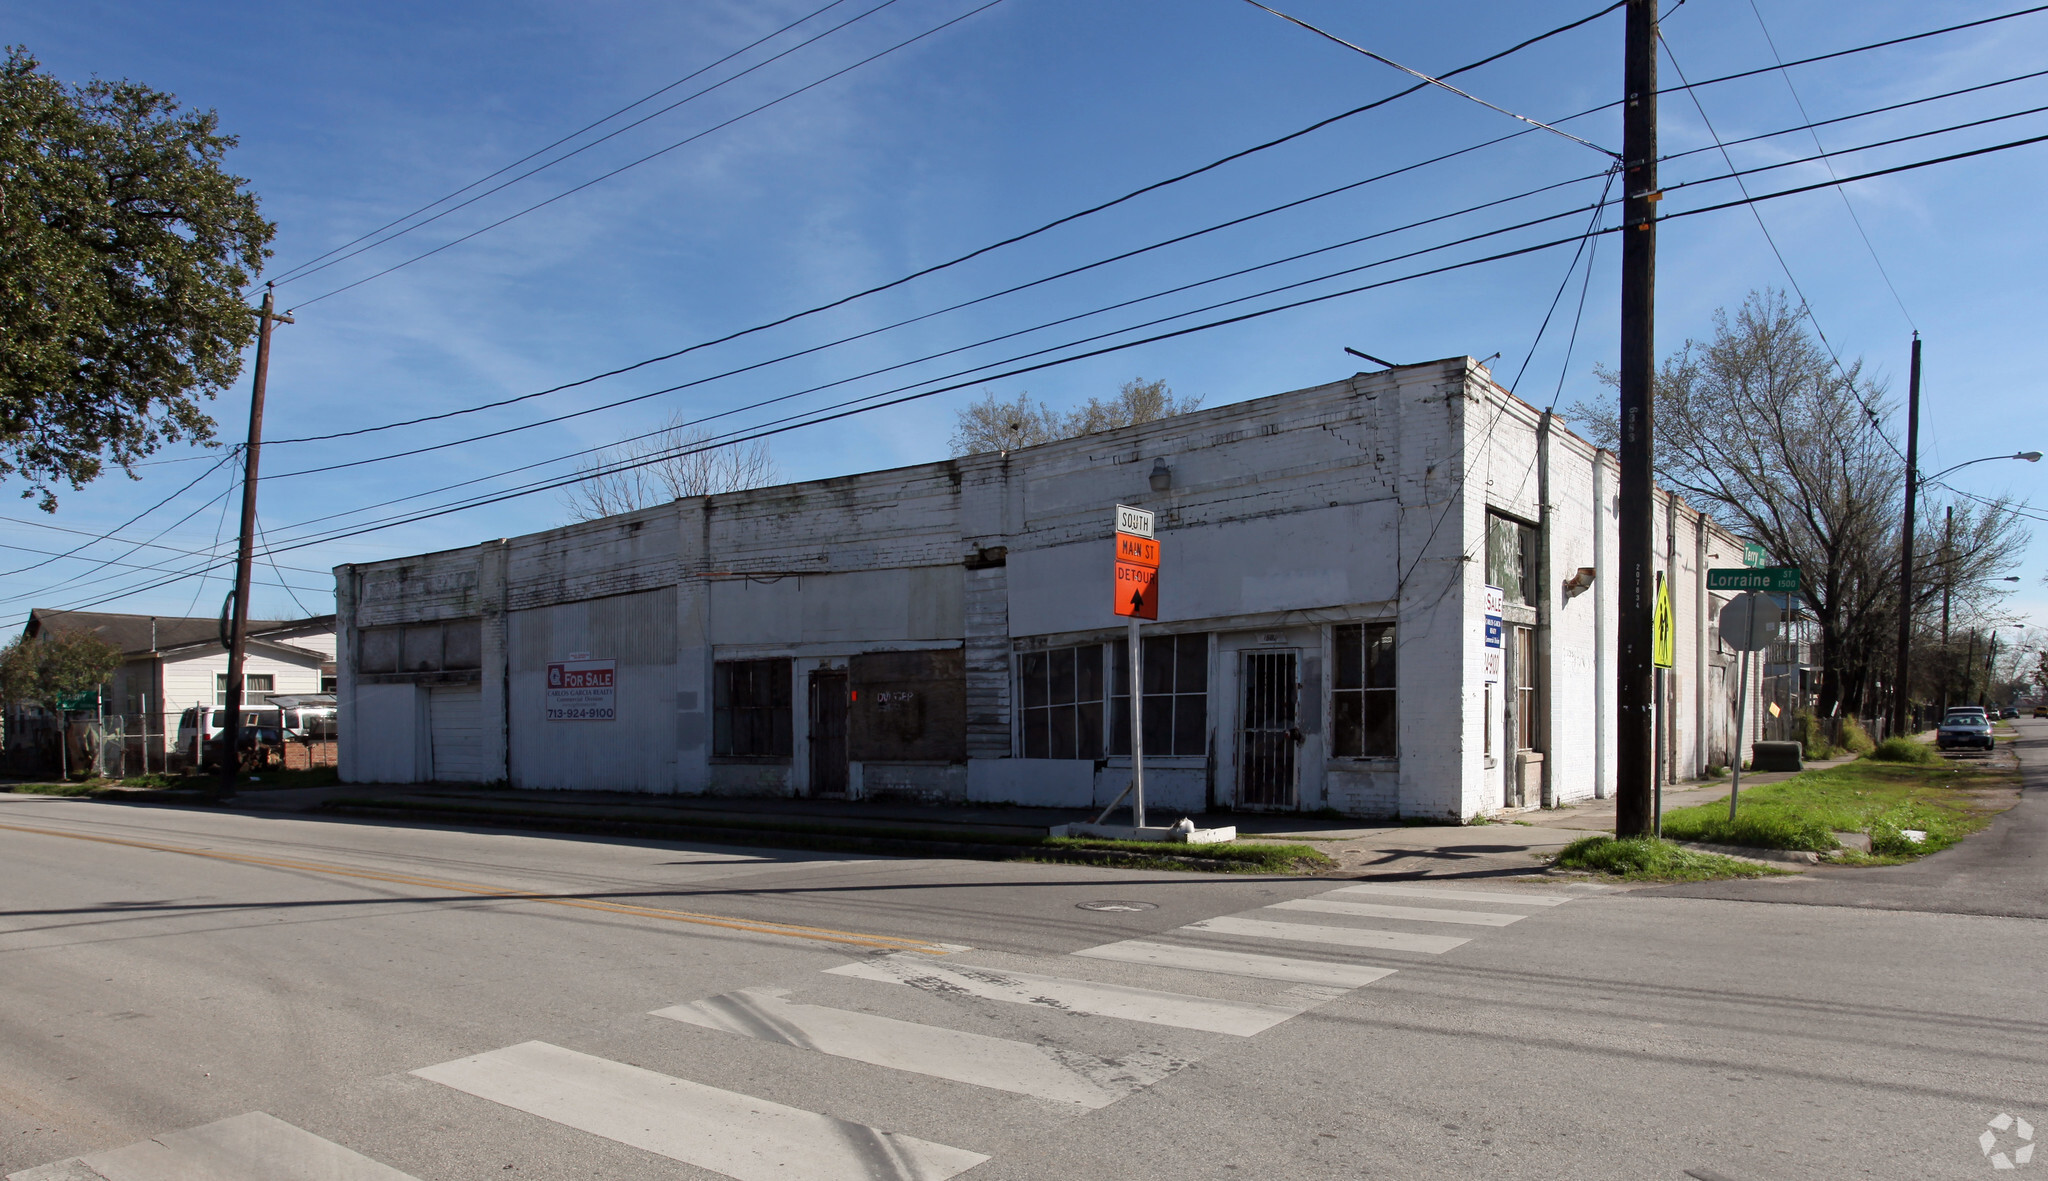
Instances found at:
x=1664 y=656
x=1747 y=624
x=1137 y=597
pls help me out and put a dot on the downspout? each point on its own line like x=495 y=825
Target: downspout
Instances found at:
x=1546 y=579
x=1670 y=576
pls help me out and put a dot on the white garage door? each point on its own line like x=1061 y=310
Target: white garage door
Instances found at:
x=455 y=715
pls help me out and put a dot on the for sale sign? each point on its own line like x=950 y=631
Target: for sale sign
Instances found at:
x=582 y=691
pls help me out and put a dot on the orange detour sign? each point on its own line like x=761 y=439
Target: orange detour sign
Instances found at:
x=1136 y=584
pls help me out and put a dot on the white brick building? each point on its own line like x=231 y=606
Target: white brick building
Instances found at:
x=945 y=631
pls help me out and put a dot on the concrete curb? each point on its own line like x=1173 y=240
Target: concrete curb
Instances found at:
x=783 y=839
x=1760 y=856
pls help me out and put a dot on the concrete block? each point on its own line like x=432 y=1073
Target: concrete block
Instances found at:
x=1777 y=756
x=1122 y=832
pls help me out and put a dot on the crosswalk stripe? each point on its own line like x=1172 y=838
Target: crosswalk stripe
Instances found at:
x=1495 y=896
x=973 y=1058
x=1236 y=963
x=1418 y=914
x=252 y=1147
x=740 y=1136
x=1084 y=997
x=1338 y=936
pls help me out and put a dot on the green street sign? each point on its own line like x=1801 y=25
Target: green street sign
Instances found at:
x=72 y=703
x=1783 y=579
x=1753 y=554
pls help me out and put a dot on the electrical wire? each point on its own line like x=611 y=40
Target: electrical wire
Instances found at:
x=1414 y=73
x=289 y=273
x=650 y=156
x=190 y=553
x=130 y=521
x=1313 y=127
x=614 y=133
x=1208 y=326
x=982 y=250
x=504 y=431
x=1801 y=104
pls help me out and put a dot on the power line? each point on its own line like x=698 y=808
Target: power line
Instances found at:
x=651 y=155
x=1414 y=73
x=614 y=133
x=130 y=521
x=129 y=541
x=993 y=246
x=1320 y=124
x=1232 y=320
x=287 y=275
x=504 y=431
x=1798 y=102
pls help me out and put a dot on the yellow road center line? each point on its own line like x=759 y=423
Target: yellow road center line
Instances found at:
x=758 y=926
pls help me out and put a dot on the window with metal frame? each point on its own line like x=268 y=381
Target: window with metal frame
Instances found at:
x=1176 y=687
x=1362 y=693
x=750 y=715
x=1059 y=694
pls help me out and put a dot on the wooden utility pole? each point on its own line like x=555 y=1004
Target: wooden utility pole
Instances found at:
x=1948 y=586
x=1634 y=753
x=245 y=556
x=1900 y=682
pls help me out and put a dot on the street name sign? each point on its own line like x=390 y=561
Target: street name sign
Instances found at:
x=1781 y=579
x=1753 y=554
x=1135 y=585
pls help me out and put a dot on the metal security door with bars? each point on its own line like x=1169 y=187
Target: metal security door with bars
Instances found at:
x=1268 y=729
x=828 y=732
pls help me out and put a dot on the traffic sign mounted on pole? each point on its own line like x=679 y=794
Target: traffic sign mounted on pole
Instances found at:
x=1136 y=578
x=1664 y=636
x=1780 y=579
x=1753 y=554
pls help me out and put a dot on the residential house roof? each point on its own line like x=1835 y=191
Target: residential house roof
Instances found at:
x=137 y=635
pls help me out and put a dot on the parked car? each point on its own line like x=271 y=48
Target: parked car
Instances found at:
x=2009 y=712
x=1967 y=728
x=2041 y=711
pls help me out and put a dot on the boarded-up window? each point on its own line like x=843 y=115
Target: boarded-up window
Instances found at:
x=1362 y=699
x=908 y=706
x=456 y=645
x=1511 y=552
x=750 y=708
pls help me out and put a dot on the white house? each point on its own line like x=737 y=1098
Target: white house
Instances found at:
x=944 y=631
x=170 y=664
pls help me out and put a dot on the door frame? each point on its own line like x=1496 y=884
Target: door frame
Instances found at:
x=823 y=673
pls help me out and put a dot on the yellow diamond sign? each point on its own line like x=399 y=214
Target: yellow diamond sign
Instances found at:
x=1664 y=651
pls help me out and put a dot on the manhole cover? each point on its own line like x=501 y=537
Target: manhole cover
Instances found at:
x=1113 y=904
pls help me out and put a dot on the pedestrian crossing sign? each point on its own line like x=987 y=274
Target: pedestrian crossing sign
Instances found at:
x=1664 y=651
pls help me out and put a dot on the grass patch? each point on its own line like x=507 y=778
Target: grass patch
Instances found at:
x=1904 y=750
x=1647 y=859
x=86 y=788
x=1884 y=799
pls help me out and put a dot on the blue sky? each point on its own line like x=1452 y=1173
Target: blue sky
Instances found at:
x=352 y=115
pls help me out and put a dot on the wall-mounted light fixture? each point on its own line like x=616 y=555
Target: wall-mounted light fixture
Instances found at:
x=1162 y=476
x=1578 y=583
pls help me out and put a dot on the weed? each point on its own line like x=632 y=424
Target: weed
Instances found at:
x=1643 y=859
x=1903 y=750
x=1855 y=739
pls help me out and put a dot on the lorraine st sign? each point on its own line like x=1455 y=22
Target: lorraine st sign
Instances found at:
x=1780 y=579
x=1136 y=582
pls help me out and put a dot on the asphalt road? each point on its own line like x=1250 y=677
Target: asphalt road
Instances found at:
x=227 y=996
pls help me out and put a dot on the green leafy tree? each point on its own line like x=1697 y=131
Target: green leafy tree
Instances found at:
x=124 y=249
x=39 y=670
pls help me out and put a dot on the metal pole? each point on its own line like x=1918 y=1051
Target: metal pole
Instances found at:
x=1136 y=688
x=1634 y=668
x=1742 y=705
x=1657 y=810
x=245 y=552
x=1900 y=683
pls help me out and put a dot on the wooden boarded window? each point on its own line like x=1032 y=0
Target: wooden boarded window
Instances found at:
x=907 y=706
x=1362 y=696
x=750 y=710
